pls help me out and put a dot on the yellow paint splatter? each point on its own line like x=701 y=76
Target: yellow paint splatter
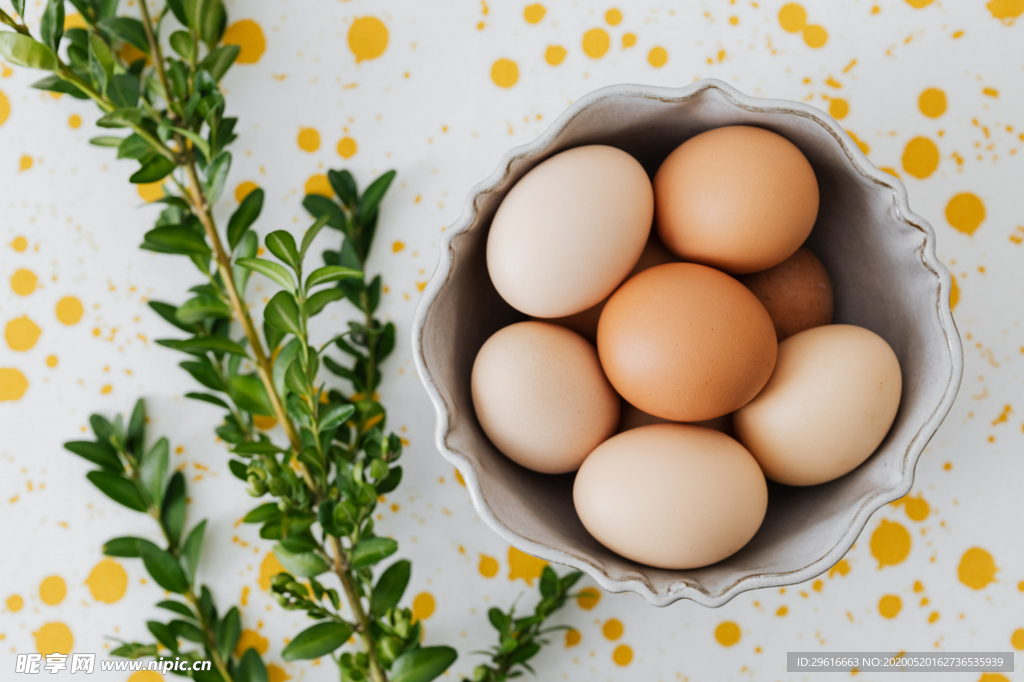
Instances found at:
x=367 y=38
x=782 y=611
x=107 y=582
x=397 y=246
x=596 y=43
x=977 y=568
x=5 y=107
x=889 y=606
x=554 y=55
x=613 y=17
x=69 y=310
x=14 y=603
x=347 y=147
x=792 y=17
x=815 y=36
x=52 y=590
x=920 y=157
x=521 y=565
x=488 y=566
x=918 y=4
x=250 y=639
x=505 y=73
x=19 y=244
x=954 y=298
x=965 y=212
x=74 y=20
x=276 y=673
x=917 y=508
x=1003 y=10
x=24 y=163
x=319 y=184
x=890 y=543
x=859 y=142
x=308 y=139
x=572 y=638
x=54 y=638
x=459 y=479
x=628 y=40
x=1017 y=639
x=841 y=569
x=264 y=422
x=534 y=13
x=248 y=35
x=623 y=655
x=13 y=384
x=727 y=633
x=612 y=629
x=150 y=191
x=23 y=282
x=22 y=333
x=657 y=57
x=74 y=121
x=423 y=606
x=932 y=102
x=268 y=569
x=244 y=189
x=838 y=108
x=107 y=389
x=146 y=676
x=993 y=677
x=588 y=598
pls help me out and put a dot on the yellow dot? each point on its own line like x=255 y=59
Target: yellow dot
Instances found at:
x=19 y=244
x=734 y=20
x=622 y=655
x=69 y=310
x=488 y=566
x=107 y=389
x=727 y=633
x=250 y=639
x=918 y=4
x=1006 y=10
x=504 y=73
x=53 y=590
x=5 y=107
x=347 y=147
x=572 y=638
x=248 y=35
x=309 y=139
x=74 y=20
x=74 y=121
x=14 y=603
x=150 y=191
x=23 y=282
x=628 y=40
x=841 y=569
x=977 y=568
x=522 y=565
x=534 y=13
x=264 y=422
x=13 y=384
x=268 y=569
x=793 y=17
x=22 y=333
x=890 y=543
x=107 y=581
x=130 y=54
x=890 y=170
x=657 y=57
x=275 y=673
x=932 y=102
x=244 y=189
x=554 y=55
x=993 y=677
x=146 y=676
x=367 y=38
x=612 y=629
x=54 y=638
x=1017 y=639
x=933 y=616
x=319 y=184
x=917 y=508
x=397 y=246
x=588 y=598
x=920 y=157
x=838 y=108
x=596 y=43
x=815 y=36
x=25 y=162
x=423 y=606
x=782 y=611
x=864 y=147
x=51 y=360
x=889 y=606
x=965 y=212
x=613 y=17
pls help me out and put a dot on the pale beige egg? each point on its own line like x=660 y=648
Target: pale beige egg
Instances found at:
x=673 y=496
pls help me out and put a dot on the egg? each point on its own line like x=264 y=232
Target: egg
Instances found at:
x=570 y=231
x=828 y=406
x=686 y=342
x=797 y=293
x=541 y=397
x=672 y=496
x=738 y=198
x=631 y=417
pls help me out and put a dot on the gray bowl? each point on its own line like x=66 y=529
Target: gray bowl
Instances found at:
x=886 y=277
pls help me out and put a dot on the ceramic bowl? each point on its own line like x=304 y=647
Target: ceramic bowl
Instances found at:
x=886 y=277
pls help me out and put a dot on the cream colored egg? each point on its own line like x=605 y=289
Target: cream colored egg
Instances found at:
x=672 y=496
x=541 y=396
x=828 y=405
x=570 y=231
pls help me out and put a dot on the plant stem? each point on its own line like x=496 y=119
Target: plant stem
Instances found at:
x=351 y=591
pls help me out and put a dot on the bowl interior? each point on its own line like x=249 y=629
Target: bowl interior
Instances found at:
x=879 y=262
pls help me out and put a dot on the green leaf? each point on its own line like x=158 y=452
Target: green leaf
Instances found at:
x=197 y=309
x=135 y=147
x=390 y=587
x=177 y=607
x=192 y=549
x=204 y=372
x=134 y=650
x=248 y=392
x=316 y=302
x=311 y=234
x=316 y=641
x=19 y=8
x=336 y=415
x=179 y=239
x=228 y=631
x=283 y=313
x=259 y=447
x=238 y=469
x=127 y=547
x=303 y=564
x=178 y=9
x=422 y=665
x=188 y=631
x=22 y=50
x=137 y=428
x=330 y=273
x=55 y=84
x=207 y=398
x=220 y=60
x=172 y=511
x=165 y=569
x=263 y=513
x=164 y=634
x=170 y=314
x=126 y=29
x=372 y=197
x=118 y=488
x=197 y=141
x=244 y=216
x=214 y=344
x=269 y=269
x=282 y=362
x=250 y=668
x=282 y=244
x=51 y=29
x=181 y=42
x=217 y=175
x=154 y=170
x=344 y=185
x=123 y=90
x=369 y=551
x=122 y=118
x=97 y=453
x=212 y=21
x=322 y=207
x=153 y=470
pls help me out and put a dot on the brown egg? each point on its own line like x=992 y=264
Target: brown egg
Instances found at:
x=541 y=397
x=797 y=293
x=740 y=199
x=585 y=323
x=686 y=342
x=631 y=417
